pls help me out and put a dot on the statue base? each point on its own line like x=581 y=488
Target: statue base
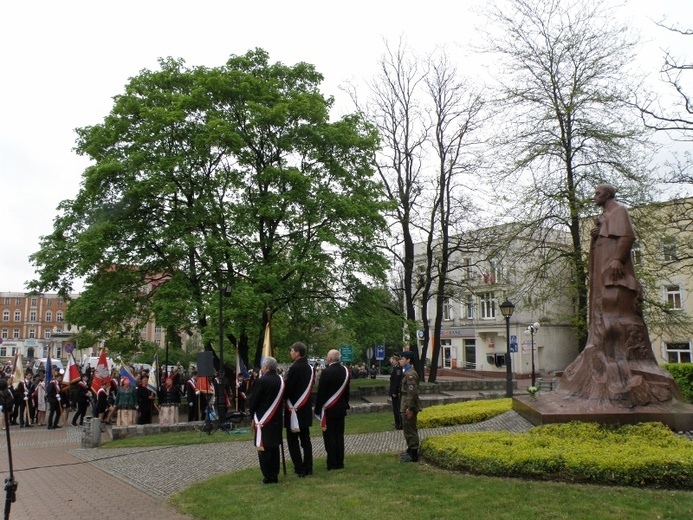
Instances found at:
x=550 y=408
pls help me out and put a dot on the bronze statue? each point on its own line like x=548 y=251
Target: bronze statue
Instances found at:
x=617 y=365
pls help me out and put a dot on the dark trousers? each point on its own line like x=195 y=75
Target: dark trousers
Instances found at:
x=145 y=417
x=303 y=463
x=81 y=412
x=24 y=413
x=269 y=463
x=54 y=415
x=193 y=414
x=334 y=443
x=395 y=411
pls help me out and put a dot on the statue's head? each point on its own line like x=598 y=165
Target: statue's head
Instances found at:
x=602 y=193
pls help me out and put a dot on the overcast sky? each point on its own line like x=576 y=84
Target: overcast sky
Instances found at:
x=64 y=61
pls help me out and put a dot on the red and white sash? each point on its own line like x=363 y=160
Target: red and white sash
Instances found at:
x=258 y=424
x=305 y=396
x=332 y=401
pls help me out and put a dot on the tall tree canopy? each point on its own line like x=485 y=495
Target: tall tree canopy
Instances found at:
x=208 y=177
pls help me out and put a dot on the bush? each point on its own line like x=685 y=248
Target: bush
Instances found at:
x=683 y=375
x=647 y=454
x=462 y=413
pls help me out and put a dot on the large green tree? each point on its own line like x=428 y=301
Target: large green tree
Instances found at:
x=203 y=178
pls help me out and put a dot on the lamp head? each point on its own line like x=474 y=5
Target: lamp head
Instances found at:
x=507 y=308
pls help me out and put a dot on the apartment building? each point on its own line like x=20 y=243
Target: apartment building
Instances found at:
x=31 y=324
x=526 y=273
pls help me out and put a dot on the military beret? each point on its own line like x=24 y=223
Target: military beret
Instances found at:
x=408 y=354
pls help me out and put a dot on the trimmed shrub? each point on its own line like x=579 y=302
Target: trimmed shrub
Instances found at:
x=462 y=413
x=647 y=454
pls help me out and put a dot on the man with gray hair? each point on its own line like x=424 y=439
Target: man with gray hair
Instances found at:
x=331 y=405
x=265 y=408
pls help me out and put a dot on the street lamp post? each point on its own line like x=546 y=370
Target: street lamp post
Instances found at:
x=532 y=329
x=507 y=309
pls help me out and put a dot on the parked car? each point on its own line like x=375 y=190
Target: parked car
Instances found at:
x=40 y=364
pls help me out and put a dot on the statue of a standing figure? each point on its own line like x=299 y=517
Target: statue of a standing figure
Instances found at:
x=617 y=365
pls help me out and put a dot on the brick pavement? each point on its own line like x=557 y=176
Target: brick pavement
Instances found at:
x=52 y=482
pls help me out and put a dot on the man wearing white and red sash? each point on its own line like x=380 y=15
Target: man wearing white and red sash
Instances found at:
x=265 y=407
x=192 y=393
x=331 y=405
x=299 y=412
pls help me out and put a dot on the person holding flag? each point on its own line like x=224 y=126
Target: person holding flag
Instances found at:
x=83 y=396
x=53 y=398
x=266 y=405
x=331 y=405
x=145 y=401
x=299 y=412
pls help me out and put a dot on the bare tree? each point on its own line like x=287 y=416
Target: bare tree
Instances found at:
x=568 y=123
x=395 y=107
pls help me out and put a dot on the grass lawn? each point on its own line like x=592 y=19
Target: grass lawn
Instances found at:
x=383 y=488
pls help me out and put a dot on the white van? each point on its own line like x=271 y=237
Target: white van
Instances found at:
x=93 y=361
x=40 y=364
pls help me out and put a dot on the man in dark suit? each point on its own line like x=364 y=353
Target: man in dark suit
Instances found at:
x=265 y=407
x=395 y=389
x=299 y=412
x=331 y=405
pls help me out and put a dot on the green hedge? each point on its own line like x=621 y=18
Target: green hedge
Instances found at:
x=683 y=375
x=646 y=454
x=462 y=413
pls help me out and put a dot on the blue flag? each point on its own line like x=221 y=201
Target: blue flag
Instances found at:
x=125 y=373
x=240 y=367
x=49 y=370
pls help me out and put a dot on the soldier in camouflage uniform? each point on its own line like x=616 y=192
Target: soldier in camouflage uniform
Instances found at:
x=410 y=407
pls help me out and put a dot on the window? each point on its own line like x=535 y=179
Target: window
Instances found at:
x=15 y=333
x=49 y=316
x=673 y=294
x=468 y=268
x=495 y=271
x=669 y=249
x=157 y=330
x=32 y=316
x=679 y=352
x=17 y=301
x=447 y=310
x=488 y=306
x=47 y=333
x=3 y=351
x=7 y=301
x=49 y=302
x=33 y=302
x=5 y=315
x=60 y=302
x=157 y=341
x=57 y=330
x=58 y=316
x=636 y=253
x=470 y=306
x=32 y=333
x=17 y=316
x=5 y=333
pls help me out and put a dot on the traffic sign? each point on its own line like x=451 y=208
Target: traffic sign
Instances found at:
x=369 y=353
x=513 y=343
x=346 y=352
x=380 y=352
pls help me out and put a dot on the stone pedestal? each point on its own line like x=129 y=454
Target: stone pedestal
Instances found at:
x=550 y=407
